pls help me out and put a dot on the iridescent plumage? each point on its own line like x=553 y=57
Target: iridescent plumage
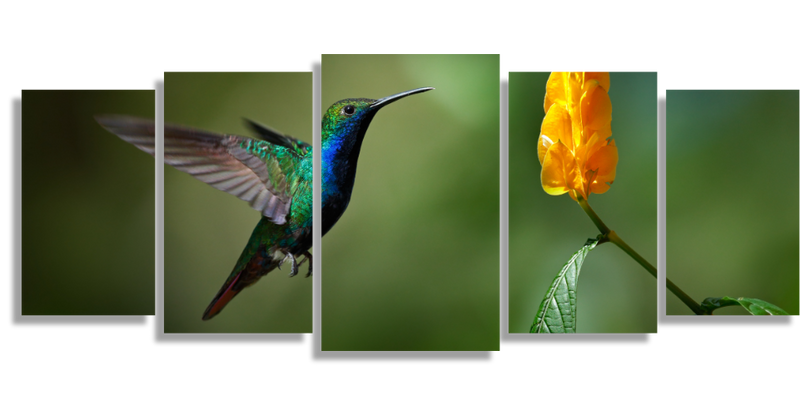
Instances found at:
x=273 y=174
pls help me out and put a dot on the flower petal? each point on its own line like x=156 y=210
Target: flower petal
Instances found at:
x=559 y=170
x=556 y=127
x=604 y=165
x=595 y=107
x=600 y=75
x=556 y=90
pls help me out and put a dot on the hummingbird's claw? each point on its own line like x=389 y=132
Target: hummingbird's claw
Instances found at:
x=310 y=262
x=295 y=264
x=289 y=256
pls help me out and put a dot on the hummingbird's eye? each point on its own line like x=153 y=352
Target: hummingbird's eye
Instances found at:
x=349 y=109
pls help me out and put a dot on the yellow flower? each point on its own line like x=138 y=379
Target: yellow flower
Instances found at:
x=574 y=149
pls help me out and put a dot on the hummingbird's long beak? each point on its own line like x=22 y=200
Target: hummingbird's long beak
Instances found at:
x=391 y=99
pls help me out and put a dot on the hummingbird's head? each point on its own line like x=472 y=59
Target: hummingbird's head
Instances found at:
x=349 y=118
x=345 y=117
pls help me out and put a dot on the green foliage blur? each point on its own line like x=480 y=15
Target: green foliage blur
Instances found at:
x=413 y=264
x=732 y=197
x=88 y=206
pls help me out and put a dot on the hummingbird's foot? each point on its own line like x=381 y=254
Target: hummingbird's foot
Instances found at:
x=290 y=256
x=295 y=265
x=310 y=262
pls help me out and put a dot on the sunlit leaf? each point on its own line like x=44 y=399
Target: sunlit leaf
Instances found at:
x=557 y=312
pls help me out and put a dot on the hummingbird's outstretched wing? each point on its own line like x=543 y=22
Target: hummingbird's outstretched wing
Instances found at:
x=272 y=136
x=259 y=172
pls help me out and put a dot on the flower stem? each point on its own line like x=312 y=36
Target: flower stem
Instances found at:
x=615 y=239
x=590 y=212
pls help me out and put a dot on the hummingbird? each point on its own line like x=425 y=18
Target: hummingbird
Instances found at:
x=273 y=174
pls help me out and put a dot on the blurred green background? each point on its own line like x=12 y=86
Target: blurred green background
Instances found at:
x=732 y=196
x=205 y=230
x=413 y=264
x=615 y=294
x=88 y=206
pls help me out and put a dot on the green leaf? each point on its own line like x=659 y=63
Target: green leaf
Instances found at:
x=558 y=309
x=754 y=306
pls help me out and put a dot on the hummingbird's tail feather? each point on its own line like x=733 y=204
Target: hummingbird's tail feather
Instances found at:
x=225 y=294
x=254 y=263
